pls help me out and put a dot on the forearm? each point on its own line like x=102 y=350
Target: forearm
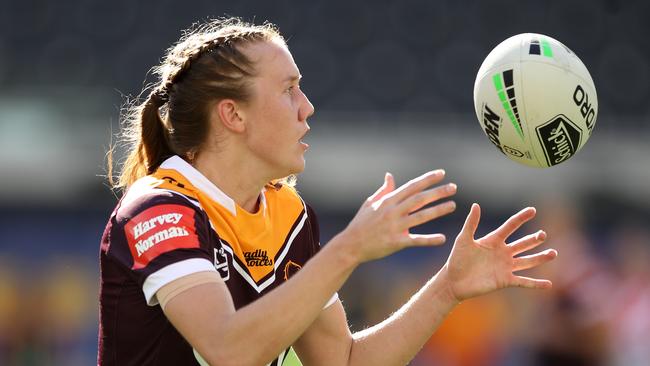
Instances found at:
x=396 y=340
x=273 y=322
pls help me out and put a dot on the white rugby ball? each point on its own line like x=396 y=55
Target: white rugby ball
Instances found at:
x=535 y=100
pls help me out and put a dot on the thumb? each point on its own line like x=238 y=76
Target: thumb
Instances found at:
x=387 y=187
x=471 y=222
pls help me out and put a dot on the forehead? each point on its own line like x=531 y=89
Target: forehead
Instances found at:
x=272 y=60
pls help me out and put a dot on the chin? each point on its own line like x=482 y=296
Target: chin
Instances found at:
x=293 y=169
x=297 y=168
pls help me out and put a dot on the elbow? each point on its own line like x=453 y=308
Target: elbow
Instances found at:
x=232 y=348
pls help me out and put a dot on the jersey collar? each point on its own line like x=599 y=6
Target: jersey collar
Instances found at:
x=200 y=182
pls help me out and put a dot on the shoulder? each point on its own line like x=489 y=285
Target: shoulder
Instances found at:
x=151 y=223
x=149 y=217
x=146 y=196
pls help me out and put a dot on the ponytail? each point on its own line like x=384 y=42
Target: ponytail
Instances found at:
x=154 y=134
x=148 y=137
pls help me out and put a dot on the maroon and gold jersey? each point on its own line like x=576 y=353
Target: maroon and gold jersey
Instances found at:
x=176 y=222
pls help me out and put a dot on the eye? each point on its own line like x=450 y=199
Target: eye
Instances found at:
x=290 y=90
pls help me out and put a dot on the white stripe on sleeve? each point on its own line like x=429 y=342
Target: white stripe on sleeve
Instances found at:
x=332 y=300
x=169 y=273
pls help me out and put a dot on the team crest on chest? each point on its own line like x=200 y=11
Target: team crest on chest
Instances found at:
x=290 y=269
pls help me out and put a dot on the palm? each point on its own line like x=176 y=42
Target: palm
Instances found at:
x=479 y=266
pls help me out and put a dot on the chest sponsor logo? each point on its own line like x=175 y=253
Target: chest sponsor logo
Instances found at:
x=258 y=258
x=158 y=230
x=560 y=139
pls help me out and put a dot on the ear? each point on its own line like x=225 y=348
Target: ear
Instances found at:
x=230 y=114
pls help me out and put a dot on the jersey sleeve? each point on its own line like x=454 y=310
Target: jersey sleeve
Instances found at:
x=315 y=233
x=158 y=238
x=314 y=229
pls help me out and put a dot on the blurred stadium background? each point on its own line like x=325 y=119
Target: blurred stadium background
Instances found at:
x=392 y=84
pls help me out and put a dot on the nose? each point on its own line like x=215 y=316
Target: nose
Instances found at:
x=306 y=108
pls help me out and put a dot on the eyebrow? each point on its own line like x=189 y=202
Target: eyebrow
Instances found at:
x=293 y=78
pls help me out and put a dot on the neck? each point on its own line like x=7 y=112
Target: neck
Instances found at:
x=240 y=181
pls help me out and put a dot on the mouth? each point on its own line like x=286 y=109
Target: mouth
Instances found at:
x=304 y=144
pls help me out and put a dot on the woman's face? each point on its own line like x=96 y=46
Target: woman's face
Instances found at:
x=276 y=115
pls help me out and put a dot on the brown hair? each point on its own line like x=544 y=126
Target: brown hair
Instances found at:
x=204 y=66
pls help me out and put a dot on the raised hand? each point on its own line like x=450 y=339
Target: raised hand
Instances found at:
x=381 y=226
x=479 y=266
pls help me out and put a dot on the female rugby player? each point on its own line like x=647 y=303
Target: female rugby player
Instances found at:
x=211 y=257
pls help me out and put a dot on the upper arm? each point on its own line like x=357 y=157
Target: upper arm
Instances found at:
x=164 y=241
x=328 y=340
x=199 y=312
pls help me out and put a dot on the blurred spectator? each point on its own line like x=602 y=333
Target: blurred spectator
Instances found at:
x=474 y=334
x=9 y=309
x=47 y=314
x=630 y=318
x=569 y=324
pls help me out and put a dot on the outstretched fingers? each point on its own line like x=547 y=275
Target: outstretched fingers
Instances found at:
x=416 y=185
x=533 y=260
x=421 y=199
x=471 y=222
x=429 y=213
x=532 y=283
x=386 y=188
x=528 y=242
x=425 y=239
x=515 y=222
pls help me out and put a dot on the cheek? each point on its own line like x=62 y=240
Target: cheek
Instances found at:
x=268 y=139
x=279 y=110
x=274 y=126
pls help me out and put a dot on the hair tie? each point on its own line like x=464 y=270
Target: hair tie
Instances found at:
x=159 y=97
